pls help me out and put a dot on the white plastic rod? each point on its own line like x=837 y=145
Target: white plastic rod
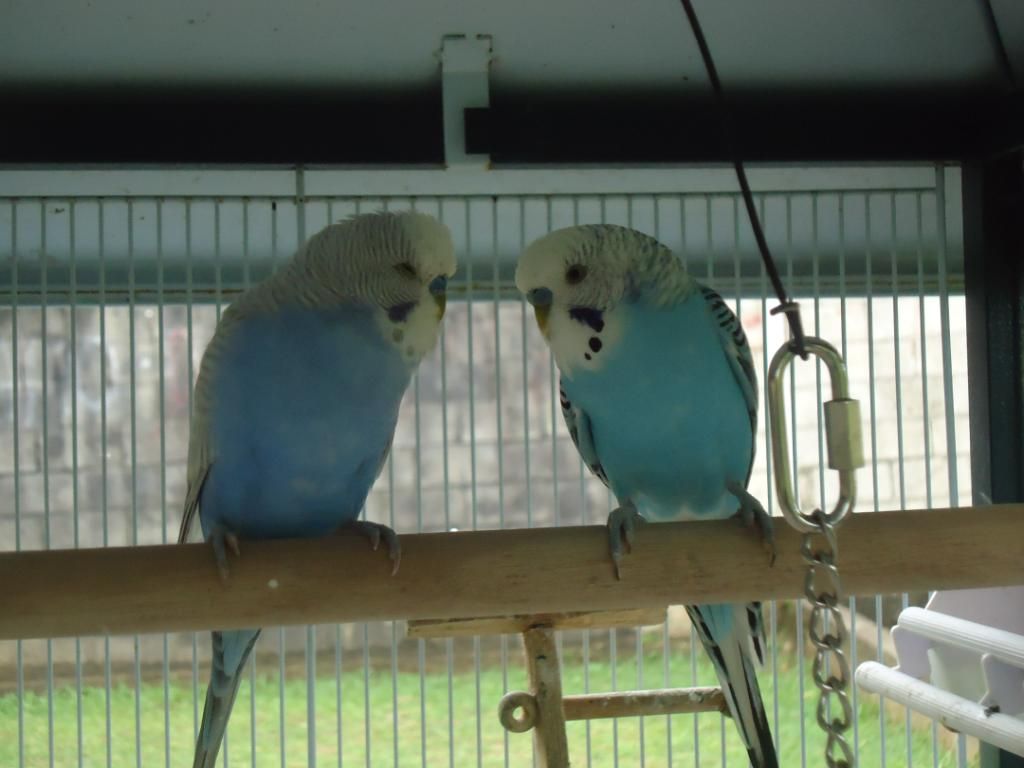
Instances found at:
x=950 y=630
x=954 y=712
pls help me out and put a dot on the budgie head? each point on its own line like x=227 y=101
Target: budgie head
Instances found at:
x=576 y=277
x=398 y=263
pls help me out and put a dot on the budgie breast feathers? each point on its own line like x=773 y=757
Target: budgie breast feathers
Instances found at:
x=667 y=416
x=304 y=404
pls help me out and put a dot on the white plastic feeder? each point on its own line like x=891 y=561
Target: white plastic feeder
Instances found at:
x=961 y=662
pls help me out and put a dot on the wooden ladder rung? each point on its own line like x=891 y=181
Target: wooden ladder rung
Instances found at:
x=518 y=710
x=663 y=701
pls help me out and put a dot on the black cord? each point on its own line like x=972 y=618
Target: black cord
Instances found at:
x=786 y=305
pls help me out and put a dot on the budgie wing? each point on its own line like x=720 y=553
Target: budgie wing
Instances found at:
x=384 y=455
x=200 y=448
x=199 y=463
x=737 y=352
x=578 y=424
x=191 y=503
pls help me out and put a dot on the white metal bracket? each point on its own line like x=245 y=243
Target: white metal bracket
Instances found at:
x=465 y=67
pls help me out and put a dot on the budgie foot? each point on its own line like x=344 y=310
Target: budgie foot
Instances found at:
x=223 y=540
x=753 y=514
x=622 y=524
x=375 y=532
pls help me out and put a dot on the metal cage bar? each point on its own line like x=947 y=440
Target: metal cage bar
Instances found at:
x=469 y=453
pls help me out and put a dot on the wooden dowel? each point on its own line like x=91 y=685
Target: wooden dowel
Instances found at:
x=549 y=738
x=669 y=701
x=504 y=625
x=129 y=590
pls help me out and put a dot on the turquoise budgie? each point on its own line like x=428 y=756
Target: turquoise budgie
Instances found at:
x=297 y=398
x=659 y=394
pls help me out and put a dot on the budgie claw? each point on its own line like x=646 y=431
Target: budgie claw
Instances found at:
x=622 y=524
x=219 y=537
x=752 y=513
x=375 y=532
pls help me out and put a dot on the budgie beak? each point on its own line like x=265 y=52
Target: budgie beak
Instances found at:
x=542 y=314
x=439 y=290
x=541 y=299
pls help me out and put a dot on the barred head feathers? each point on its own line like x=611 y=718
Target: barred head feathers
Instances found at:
x=596 y=265
x=397 y=263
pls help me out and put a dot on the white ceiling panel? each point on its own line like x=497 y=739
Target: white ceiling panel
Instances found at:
x=388 y=43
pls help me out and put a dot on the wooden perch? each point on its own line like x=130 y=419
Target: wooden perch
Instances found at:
x=126 y=590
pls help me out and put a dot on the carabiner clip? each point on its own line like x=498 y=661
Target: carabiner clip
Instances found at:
x=842 y=436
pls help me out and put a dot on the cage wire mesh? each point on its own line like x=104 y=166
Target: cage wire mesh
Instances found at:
x=110 y=300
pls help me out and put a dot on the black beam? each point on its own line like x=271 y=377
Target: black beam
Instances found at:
x=994 y=271
x=994 y=283
x=836 y=127
x=272 y=125
x=261 y=127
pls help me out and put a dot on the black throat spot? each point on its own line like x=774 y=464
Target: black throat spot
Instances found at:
x=593 y=318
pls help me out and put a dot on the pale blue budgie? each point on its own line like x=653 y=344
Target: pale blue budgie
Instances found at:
x=297 y=398
x=659 y=393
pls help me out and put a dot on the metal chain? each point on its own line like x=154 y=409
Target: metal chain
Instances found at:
x=828 y=643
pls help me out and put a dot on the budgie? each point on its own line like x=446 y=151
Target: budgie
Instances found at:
x=659 y=394
x=297 y=399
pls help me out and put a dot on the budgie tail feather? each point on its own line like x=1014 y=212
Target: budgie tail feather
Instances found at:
x=225 y=676
x=723 y=639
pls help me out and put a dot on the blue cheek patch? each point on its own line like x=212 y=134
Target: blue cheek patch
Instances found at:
x=400 y=312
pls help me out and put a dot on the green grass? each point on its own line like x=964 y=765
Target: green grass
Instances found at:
x=629 y=737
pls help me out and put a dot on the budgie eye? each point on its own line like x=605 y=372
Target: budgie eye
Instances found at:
x=575 y=274
x=406 y=269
